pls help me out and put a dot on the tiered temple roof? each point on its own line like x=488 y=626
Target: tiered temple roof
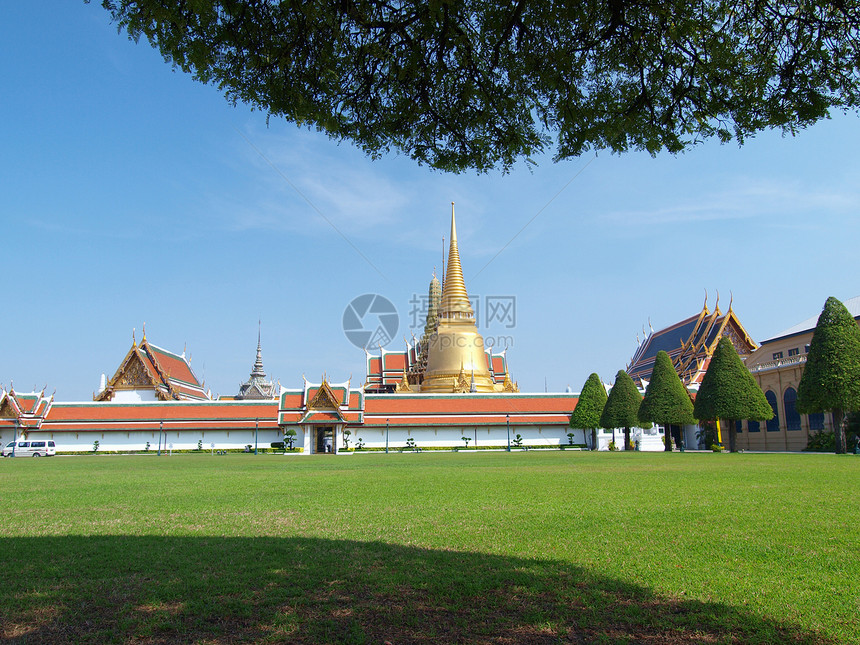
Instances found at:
x=324 y=403
x=690 y=344
x=24 y=411
x=147 y=367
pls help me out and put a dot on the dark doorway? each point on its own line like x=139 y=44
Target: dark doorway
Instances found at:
x=325 y=440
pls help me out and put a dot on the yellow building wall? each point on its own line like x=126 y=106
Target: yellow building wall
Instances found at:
x=778 y=366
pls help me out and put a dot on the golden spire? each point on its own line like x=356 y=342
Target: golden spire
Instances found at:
x=456 y=348
x=455 y=300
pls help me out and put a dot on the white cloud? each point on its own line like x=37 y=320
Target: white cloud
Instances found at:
x=745 y=199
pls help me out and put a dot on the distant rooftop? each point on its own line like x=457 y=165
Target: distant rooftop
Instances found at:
x=853 y=306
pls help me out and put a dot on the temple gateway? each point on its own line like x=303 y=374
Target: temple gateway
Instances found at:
x=441 y=389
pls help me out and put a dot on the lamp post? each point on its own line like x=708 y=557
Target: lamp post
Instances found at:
x=160 y=427
x=256 y=432
x=508 y=421
x=386 y=436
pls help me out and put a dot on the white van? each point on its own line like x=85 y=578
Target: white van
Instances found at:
x=37 y=448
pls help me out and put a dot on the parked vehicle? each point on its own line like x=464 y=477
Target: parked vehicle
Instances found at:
x=37 y=448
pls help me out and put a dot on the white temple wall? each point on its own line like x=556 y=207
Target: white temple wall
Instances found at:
x=447 y=437
x=116 y=440
x=372 y=436
x=134 y=396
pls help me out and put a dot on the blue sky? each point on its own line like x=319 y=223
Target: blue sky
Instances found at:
x=131 y=194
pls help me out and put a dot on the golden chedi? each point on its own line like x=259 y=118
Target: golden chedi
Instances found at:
x=456 y=360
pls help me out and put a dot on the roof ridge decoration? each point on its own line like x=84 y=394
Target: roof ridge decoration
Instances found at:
x=7 y=402
x=733 y=333
x=683 y=363
x=461 y=383
x=508 y=385
x=403 y=386
x=324 y=399
x=161 y=372
x=141 y=376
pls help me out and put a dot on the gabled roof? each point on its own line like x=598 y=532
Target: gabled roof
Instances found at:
x=321 y=403
x=147 y=366
x=25 y=411
x=690 y=344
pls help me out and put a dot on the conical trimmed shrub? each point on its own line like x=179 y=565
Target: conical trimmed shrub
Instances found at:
x=622 y=406
x=666 y=400
x=586 y=414
x=831 y=378
x=730 y=392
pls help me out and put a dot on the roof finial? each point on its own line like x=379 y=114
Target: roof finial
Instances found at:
x=717 y=304
x=144 y=333
x=731 y=299
x=650 y=326
x=705 y=306
x=133 y=339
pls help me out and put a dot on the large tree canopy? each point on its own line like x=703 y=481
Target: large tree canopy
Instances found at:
x=471 y=84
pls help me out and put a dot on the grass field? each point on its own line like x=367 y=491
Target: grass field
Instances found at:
x=419 y=548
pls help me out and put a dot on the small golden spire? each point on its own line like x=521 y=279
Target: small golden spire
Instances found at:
x=403 y=386
x=133 y=339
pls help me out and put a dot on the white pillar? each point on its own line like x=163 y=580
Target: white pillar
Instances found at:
x=306 y=429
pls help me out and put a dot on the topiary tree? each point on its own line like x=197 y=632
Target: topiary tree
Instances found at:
x=622 y=406
x=666 y=400
x=290 y=436
x=831 y=379
x=589 y=407
x=729 y=391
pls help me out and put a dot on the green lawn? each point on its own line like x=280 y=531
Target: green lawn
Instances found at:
x=536 y=547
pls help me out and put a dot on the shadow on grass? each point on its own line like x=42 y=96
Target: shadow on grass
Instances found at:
x=217 y=590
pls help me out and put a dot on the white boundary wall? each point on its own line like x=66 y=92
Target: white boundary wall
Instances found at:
x=116 y=440
x=371 y=436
